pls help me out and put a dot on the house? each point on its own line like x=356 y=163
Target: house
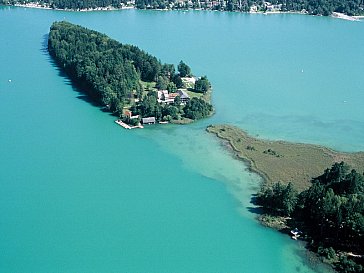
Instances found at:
x=173 y=96
x=253 y=8
x=169 y=101
x=170 y=98
x=148 y=120
x=271 y=7
x=164 y=96
x=184 y=96
x=129 y=114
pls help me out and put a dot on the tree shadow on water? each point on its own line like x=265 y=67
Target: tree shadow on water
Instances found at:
x=80 y=90
x=255 y=208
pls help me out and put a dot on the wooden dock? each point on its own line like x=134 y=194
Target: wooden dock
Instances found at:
x=126 y=126
x=122 y=124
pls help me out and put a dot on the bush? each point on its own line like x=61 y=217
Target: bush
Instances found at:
x=202 y=85
x=328 y=253
x=346 y=265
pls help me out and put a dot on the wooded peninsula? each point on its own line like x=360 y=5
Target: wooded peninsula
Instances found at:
x=308 y=192
x=127 y=81
x=315 y=7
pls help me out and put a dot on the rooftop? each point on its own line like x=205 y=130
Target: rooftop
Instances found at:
x=148 y=120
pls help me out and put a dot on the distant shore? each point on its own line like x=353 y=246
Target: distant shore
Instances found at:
x=44 y=6
x=111 y=8
x=281 y=160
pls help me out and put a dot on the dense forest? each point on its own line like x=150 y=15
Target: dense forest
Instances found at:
x=330 y=213
x=323 y=7
x=70 y=4
x=113 y=73
x=318 y=7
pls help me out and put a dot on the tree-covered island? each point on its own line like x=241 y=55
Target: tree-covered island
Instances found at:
x=127 y=81
x=308 y=192
x=315 y=7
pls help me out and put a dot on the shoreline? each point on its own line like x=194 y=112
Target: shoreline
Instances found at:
x=344 y=16
x=281 y=160
x=235 y=139
x=111 y=8
x=35 y=5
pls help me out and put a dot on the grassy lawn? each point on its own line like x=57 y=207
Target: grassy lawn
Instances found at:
x=206 y=97
x=193 y=94
x=148 y=85
x=188 y=84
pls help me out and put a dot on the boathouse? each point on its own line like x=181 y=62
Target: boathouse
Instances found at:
x=148 y=120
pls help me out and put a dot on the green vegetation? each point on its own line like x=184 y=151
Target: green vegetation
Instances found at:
x=162 y=83
x=284 y=161
x=119 y=76
x=184 y=70
x=328 y=208
x=71 y=4
x=323 y=7
x=202 y=85
x=109 y=71
x=317 y=7
x=197 y=108
x=278 y=199
x=330 y=212
x=150 y=106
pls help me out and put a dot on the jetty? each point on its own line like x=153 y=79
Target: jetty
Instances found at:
x=126 y=126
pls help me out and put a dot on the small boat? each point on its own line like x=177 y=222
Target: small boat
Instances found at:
x=296 y=233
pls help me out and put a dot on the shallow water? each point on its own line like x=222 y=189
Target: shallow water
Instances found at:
x=80 y=194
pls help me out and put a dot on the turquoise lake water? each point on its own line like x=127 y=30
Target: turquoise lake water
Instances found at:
x=80 y=194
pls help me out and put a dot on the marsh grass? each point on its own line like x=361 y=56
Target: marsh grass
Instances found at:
x=284 y=161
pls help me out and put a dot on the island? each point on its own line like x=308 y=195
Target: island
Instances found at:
x=132 y=84
x=308 y=192
x=343 y=9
